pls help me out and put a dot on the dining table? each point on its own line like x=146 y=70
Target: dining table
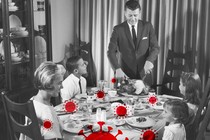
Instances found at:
x=142 y=117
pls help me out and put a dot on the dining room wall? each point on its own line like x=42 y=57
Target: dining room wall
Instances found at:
x=62 y=17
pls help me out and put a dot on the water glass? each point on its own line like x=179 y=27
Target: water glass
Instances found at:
x=102 y=84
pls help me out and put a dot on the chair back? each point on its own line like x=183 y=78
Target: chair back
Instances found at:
x=193 y=129
x=202 y=109
x=204 y=124
x=176 y=63
x=27 y=109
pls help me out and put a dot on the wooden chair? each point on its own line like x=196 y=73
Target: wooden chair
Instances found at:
x=27 y=109
x=204 y=124
x=193 y=129
x=176 y=63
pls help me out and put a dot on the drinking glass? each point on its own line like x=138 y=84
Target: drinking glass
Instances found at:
x=102 y=84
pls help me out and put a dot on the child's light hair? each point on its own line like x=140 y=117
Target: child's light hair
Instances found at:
x=45 y=75
x=61 y=69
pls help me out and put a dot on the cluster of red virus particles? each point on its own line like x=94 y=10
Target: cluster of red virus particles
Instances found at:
x=47 y=124
x=101 y=135
x=70 y=106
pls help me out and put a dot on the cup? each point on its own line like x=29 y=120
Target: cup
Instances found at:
x=113 y=106
x=112 y=93
x=90 y=98
x=101 y=84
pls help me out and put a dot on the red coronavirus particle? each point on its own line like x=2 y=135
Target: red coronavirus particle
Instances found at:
x=121 y=111
x=47 y=124
x=70 y=106
x=113 y=80
x=148 y=134
x=152 y=99
x=101 y=135
x=100 y=94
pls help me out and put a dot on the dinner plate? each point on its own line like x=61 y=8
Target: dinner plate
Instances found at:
x=126 y=94
x=81 y=96
x=145 y=122
x=14 y=21
x=78 y=116
x=117 y=122
x=76 y=126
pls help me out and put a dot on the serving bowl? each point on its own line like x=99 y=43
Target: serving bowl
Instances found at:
x=14 y=54
x=16 y=59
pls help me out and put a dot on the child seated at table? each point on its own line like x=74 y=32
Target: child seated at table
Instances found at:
x=176 y=113
x=48 y=79
x=75 y=84
x=190 y=87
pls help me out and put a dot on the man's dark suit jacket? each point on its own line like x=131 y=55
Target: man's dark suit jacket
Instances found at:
x=130 y=59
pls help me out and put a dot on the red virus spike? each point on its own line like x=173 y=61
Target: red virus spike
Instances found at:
x=101 y=135
x=82 y=133
x=90 y=127
x=101 y=124
x=126 y=138
x=109 y=128
x=118 y=133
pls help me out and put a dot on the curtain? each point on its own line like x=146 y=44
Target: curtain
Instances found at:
x=180 y=26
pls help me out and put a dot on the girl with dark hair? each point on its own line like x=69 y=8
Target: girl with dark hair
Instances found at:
x=176 y=113
x=190 y=87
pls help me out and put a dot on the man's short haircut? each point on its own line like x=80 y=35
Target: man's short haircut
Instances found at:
x=71 y=63
x=132 y=5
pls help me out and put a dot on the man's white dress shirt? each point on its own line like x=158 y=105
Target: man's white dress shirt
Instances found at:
x=71 y=87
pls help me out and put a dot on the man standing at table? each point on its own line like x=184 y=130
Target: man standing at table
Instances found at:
x=136 y=43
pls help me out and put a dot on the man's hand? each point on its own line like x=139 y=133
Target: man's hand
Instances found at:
x=148 y=66
x=120 y=73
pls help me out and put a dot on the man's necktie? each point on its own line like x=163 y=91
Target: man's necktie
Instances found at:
x=134 y=35
x=80 y=87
